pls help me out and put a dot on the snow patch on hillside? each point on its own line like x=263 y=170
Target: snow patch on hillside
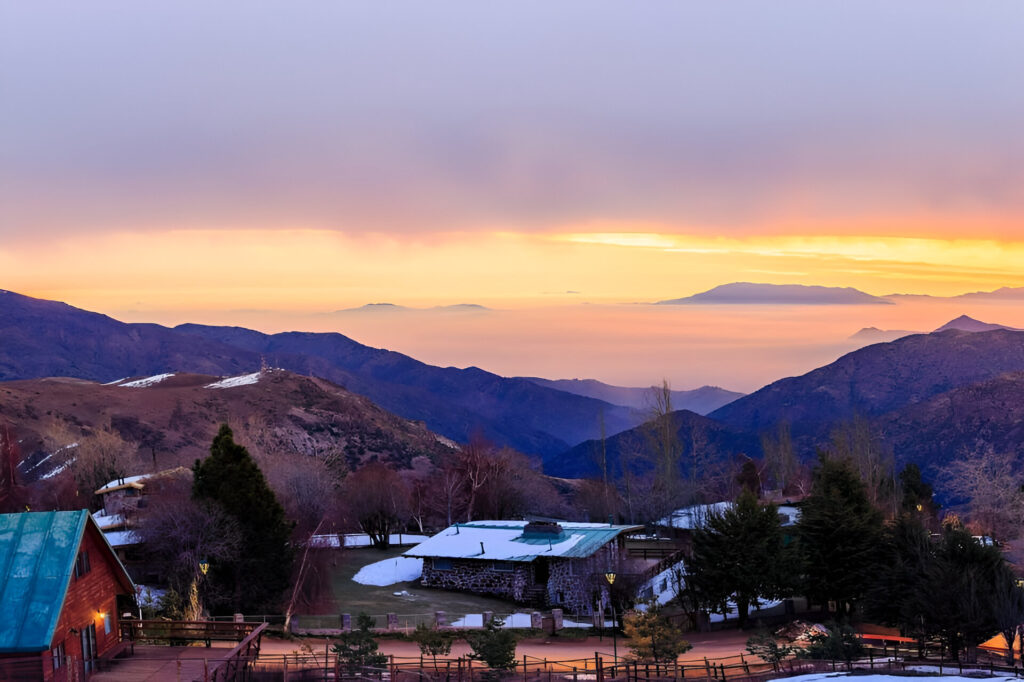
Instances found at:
x=390 y=571
x=233 y=382
x=148 y=381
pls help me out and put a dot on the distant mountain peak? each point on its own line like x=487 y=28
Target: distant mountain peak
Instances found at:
x=750 y=293
x=965 y=323
x=876 y=335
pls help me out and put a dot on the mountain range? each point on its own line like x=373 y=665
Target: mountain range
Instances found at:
x=929 y=396
x=40 y=338
x=700 y=400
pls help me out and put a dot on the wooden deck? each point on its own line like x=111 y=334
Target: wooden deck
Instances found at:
x=152 y=663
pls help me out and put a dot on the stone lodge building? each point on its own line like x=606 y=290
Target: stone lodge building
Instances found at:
x=542 y=563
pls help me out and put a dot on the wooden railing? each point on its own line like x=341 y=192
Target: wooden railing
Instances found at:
x=184 y=631
x=235 y=666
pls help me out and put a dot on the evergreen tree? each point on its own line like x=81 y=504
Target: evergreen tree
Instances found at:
x=652 y=637
x=902 y=563
x=839 y=533
x=432 y=641
x=740 y=555
x=958 y=600
x=357 y=649
x=917 y=493
x=231 y=479
x=493 y=645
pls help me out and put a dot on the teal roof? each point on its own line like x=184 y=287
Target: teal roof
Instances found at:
x=37 y=556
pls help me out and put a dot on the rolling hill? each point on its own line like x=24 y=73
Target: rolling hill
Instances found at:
x=174 y=417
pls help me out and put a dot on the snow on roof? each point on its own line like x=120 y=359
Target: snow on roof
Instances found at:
x=124 y=482
x=122 y=538
x=105 y=521
x=148 y=381
x=695 y=516
x=508 y=541
x=232 y=382
x=138 y=482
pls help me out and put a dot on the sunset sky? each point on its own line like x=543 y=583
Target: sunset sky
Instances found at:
x=268 y=163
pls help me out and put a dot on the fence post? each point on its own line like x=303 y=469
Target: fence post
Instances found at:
x=286 y=668
x=707 y=667
x=597 y=666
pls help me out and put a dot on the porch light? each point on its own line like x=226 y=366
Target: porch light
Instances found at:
x=204 y=566
x=610 y=577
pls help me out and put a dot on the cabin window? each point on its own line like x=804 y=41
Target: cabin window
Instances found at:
x=441 y=564
x=106 y=623
x=503 y=566
x=58 y=656
x=82 y=564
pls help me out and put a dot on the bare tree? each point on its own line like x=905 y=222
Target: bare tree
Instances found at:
x=780 y=458
x=378 y=500
x=13 y=495
x=991 y=483
x=101 y=456
x=178 y=533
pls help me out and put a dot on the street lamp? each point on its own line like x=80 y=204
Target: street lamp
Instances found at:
x=204 y=566
x=610 y=577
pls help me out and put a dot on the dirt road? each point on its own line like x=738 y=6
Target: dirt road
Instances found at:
x=713 y=645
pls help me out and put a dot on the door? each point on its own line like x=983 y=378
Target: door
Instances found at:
x=88 y=636
x=541 y=572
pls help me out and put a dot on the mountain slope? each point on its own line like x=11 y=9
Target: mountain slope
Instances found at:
x=40 y=338
x=700 y=400
x=980 y=417
x=877 y=379
x=714 y=443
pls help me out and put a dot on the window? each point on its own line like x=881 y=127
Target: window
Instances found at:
x=58 y=656
x=82 y=564
x=441 y=564
x=106 y=623
x=503 y=566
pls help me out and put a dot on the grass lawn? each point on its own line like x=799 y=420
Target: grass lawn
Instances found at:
x=411 y=602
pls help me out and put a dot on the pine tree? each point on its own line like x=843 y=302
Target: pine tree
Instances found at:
x=839 y=534
x=357 y=649
x=495 y=646
x=230 y=478
x=651 y=636
x=740 y=555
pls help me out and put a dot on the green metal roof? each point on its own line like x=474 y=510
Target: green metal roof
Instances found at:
x=37 y=556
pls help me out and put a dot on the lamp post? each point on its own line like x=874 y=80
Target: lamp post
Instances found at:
x=610 y=577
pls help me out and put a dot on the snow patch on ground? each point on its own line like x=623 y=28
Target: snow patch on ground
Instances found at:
x=390 y=571
x=820 y=677
x=62 y=467
x=233 y=382
x=148 y=381
x=329 y=540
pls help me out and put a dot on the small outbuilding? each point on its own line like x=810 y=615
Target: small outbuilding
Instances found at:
x=62 y=589
x=542 y=563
